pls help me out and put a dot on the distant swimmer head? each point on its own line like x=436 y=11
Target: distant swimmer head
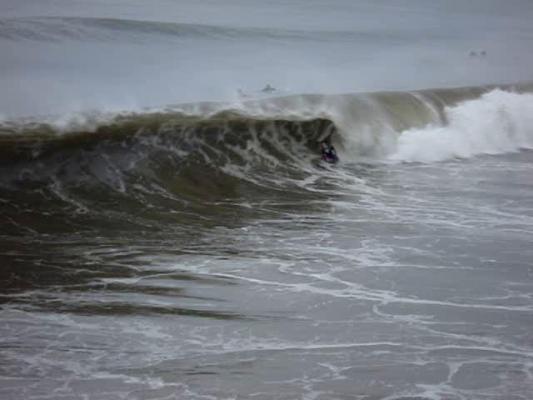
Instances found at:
x=477 y=53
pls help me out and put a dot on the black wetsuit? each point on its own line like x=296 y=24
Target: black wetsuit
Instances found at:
x=329 y=154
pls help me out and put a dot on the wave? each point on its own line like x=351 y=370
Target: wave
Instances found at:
x=54 y=29
x=366 y=124
x=191 y=155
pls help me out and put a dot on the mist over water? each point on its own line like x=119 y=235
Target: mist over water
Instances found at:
x=168 y=230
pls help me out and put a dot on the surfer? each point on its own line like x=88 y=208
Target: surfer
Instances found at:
x=329 y=154
x=268 y=89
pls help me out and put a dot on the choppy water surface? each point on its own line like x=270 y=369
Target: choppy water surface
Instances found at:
x=368 y=281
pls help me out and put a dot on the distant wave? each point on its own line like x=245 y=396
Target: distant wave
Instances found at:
x=53 y=29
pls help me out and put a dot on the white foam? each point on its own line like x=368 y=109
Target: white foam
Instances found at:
x=496 y=123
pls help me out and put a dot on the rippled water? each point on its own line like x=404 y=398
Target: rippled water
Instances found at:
x=370 y=281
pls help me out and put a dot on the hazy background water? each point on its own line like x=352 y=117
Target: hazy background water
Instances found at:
x=301 y=47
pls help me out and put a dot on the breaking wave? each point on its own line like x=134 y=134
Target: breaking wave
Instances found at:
x=194 y=155
x=461 y=122
x=497 y=122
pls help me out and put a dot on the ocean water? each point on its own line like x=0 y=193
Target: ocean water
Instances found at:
x=168 y=231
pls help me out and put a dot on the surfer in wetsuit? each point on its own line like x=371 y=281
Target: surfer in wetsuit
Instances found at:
x=268 y=89
x=329 y=154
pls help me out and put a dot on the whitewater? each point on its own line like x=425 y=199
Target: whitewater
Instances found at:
x=168 y=230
